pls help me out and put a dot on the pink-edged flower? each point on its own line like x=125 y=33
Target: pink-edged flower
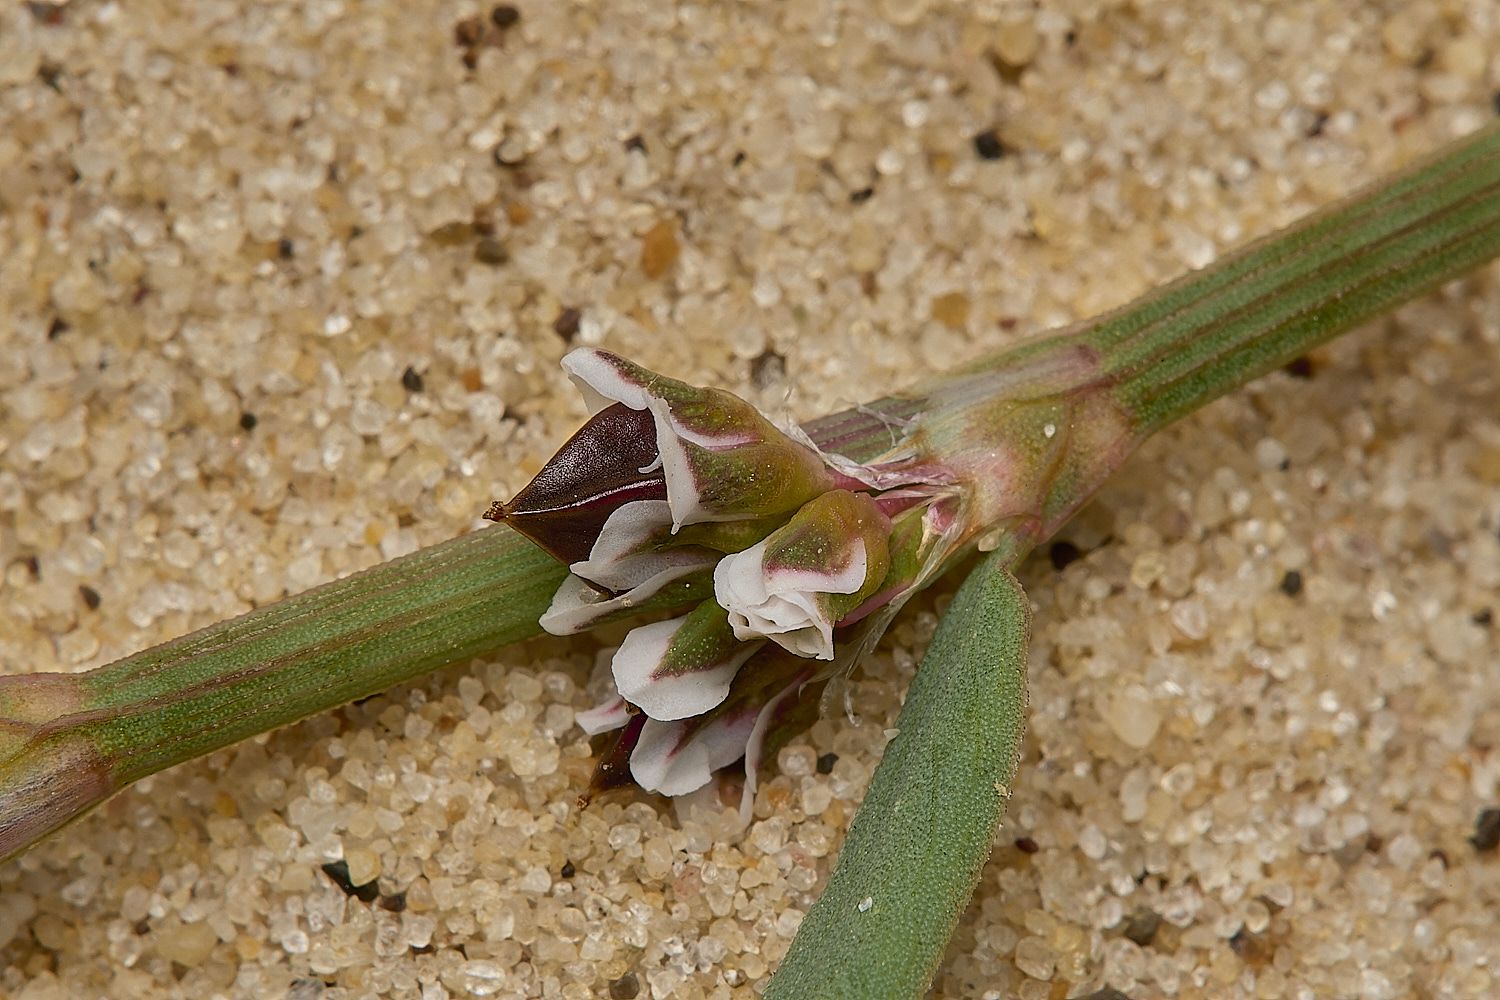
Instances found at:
x=795 y=586
x=771 y=699
x=683 y=667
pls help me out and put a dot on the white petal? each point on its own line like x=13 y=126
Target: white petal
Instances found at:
x=784 y=606
x=612 y=562
x=674 y=696
x=658 y=764
x=602 y=718
x=601 y=383
x=577 y=607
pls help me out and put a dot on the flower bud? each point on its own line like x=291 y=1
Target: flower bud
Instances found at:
x=722 y=460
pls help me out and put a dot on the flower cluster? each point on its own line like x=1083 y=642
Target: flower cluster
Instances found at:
x=786 y=555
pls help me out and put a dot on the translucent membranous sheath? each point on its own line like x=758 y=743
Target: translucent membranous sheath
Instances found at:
x=994 y=456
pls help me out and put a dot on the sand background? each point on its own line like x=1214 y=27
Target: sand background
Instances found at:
x=228 y=232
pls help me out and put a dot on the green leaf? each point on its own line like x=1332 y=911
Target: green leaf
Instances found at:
x=922 y=836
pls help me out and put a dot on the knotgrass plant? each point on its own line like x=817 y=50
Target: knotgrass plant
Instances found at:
x=995 y=456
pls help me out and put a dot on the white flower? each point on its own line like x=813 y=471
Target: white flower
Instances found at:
x=798 y=583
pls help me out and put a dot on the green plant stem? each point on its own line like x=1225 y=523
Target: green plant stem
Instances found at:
x=904 y=874
x=1211 y=331
x=69 y=741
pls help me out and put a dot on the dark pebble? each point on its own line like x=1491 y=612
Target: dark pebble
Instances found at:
x=248 y=421
x=504 y=16
x=987 y=145
x=1299 y=367
x=1486 y=831
x=1143 y=925
x=567 y=870
x=767 y=369
x=1063 y=554
x=1291 y=583
x=468 y=31
x=566 y=324
x=491 y=251
x=411 y=380
x=90 y=596
x=1106 y=993
x=826 y=762
x=338 y=871
x=627 y=987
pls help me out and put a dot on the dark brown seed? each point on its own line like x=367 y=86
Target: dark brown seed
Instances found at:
x=1291 y=583
x=1026 y=845
x=595 y=473
x=90 y=596
x=248 y=421
x=566 y=324
x=411 y=380
x=567 y=870
x=504 y=16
